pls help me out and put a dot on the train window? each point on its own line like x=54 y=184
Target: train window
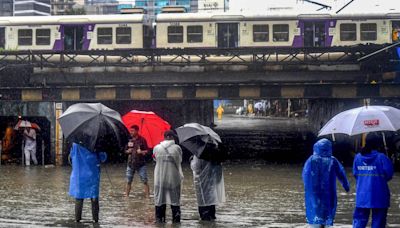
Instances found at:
x=175 y=34
x=281 y=32
x=124 y=35
x=195 y=34
x=104 y=36
x=42 y=36
x=348 y=32
x=25 y=37
x=368 y=31
x=260 y=33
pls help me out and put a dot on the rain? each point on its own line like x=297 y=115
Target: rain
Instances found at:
x=226 y=113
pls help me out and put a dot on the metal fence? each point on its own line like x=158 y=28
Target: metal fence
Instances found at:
x=189 y=57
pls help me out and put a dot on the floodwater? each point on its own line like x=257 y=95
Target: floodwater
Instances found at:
x=258 y=195
x=257 y=123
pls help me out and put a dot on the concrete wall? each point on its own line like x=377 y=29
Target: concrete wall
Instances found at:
x=321 y=111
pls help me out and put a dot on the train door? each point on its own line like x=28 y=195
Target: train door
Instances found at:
x=2 y=38
x=396 y=31
x=73 y=37
x=314 y=34
x=228 y=35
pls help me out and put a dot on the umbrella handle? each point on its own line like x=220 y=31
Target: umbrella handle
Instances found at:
x=384 y=143
x=333 y=137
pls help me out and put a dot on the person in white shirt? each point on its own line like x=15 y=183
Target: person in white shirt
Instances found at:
x=30 y=146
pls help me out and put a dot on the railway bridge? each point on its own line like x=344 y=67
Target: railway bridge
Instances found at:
x=180 y=84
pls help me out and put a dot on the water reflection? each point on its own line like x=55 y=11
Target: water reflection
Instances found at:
x=259 y=195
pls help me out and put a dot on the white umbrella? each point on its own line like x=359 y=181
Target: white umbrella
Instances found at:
x=258 y=105
x=26 y=123
x=363 y=120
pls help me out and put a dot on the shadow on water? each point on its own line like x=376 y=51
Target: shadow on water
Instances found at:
x=258 y=195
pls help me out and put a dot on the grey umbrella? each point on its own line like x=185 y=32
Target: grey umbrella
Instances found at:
x=194 y=129
x=198 y=139
x=95 y=126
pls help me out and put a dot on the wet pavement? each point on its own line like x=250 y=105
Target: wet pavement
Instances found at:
x=258 y=195
x=260 y=123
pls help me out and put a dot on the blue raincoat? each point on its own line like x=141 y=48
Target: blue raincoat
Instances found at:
x=372 y=172
x=319 y=176
x=85 y=176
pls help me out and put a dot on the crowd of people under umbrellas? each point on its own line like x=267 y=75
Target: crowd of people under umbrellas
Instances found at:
x=372 y=169
x=87 y=154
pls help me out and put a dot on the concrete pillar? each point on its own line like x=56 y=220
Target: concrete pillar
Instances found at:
x=322 y=110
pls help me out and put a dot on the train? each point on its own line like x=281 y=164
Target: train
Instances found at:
x=196 y=30
x=77 y=32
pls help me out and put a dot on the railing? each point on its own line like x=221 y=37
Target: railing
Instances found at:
x=188 y=57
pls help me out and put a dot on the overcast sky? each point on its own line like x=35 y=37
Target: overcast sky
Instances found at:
x=357 y=6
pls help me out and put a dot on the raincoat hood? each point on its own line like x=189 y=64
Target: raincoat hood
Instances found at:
x=167 y=143
x=369 y=157
x=323 y=148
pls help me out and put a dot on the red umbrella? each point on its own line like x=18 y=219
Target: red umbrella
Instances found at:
x=151 y=126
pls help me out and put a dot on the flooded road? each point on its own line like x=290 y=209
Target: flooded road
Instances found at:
x=258 y=195
x=261 y=123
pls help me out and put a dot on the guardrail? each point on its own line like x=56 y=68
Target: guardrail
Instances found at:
x=189 y=56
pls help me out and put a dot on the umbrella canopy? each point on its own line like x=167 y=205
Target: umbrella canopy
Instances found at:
x=195 y=138
x=363 y=120
x=258 y=105
x=151 y=126
x=94 y=126
x=25 y=123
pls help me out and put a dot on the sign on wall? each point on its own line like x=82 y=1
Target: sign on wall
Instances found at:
x=218 y=5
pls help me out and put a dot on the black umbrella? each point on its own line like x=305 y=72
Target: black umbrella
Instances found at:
x=200 y=140
x=94 y=126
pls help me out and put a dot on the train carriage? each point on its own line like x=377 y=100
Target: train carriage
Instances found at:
x=196 y=30
x=81 y=32
x=226 y=30
x=223 y=30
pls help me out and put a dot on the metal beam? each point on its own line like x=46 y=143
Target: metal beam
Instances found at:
x=379 y=51
x=203 y=91
x=188 y=57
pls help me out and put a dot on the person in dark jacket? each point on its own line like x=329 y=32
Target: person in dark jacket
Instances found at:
x=372 y=170
x=319 y=175
x=137 y=150
x=85 y=179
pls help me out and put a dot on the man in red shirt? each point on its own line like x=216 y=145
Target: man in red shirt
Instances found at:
x=137 y=150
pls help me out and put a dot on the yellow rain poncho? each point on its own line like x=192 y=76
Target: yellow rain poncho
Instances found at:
x=220 y=111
